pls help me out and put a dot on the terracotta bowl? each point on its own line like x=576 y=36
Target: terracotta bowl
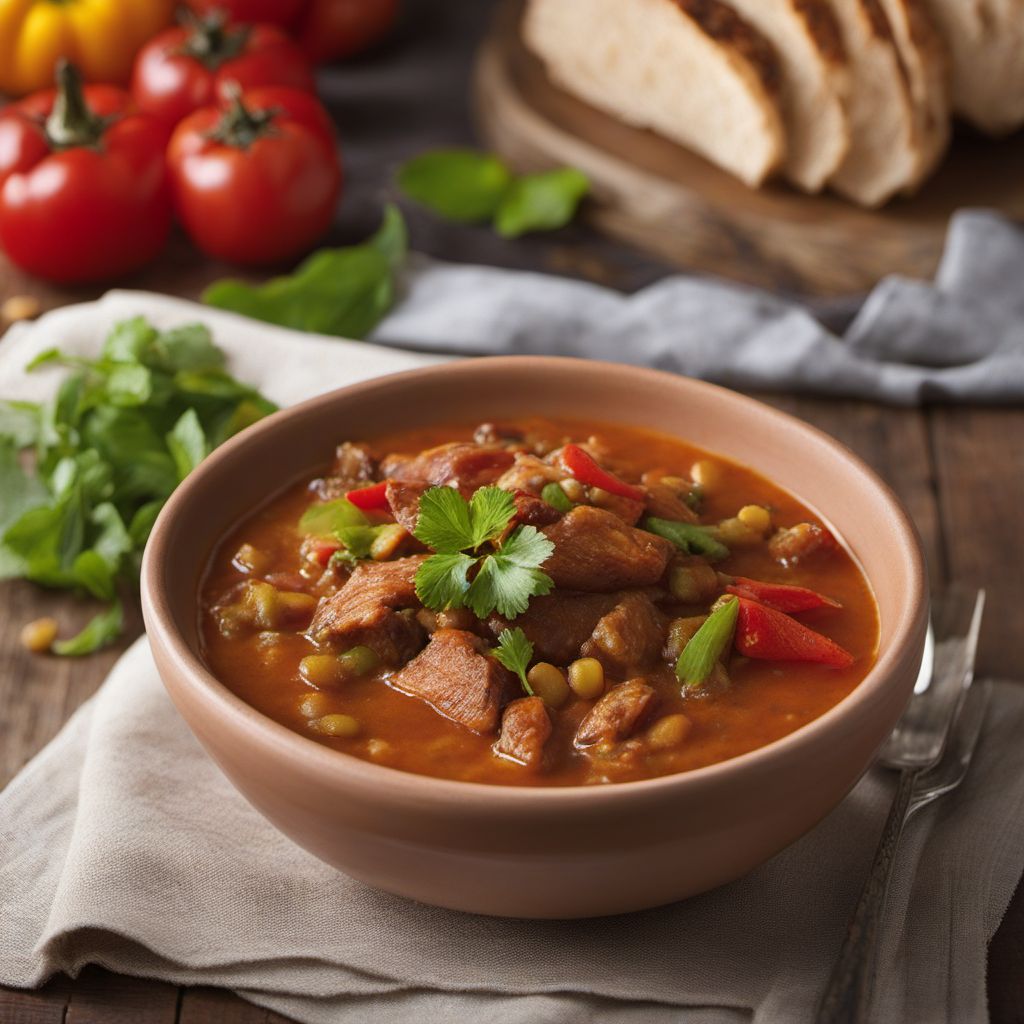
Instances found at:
x=569 y=852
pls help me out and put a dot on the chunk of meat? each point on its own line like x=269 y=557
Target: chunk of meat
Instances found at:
x=630 y=637
x=618 y=714
x=532 y=511
x=404 y=499
x=525 y=728
x=628 y=510
x=596 y=551
x=354 y=466
x=558 y=624
x=529 y=474
x=376 y=609
x=459 y=464
x=457 y=681
x=664 y=502
x=800 y=542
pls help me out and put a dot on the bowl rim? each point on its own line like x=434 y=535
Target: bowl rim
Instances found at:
x=425 y=789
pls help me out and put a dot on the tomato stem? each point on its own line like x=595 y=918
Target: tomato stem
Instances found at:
x=239 y=126
x=210 y=41
x=71 y=122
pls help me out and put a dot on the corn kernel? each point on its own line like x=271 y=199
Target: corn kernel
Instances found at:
x=548 y=683
x=38 y=635
x=734 y=533
x=757 y=517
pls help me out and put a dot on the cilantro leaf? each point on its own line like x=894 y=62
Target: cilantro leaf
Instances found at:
x=100 y=631
x=111 y=446
x=444 y=522
x=512 y=575
x=515 y=651
x=442 y=580
x=490 y=511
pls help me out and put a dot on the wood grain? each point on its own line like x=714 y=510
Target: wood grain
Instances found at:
x=656 y=195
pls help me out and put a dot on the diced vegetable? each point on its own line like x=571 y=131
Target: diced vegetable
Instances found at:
x=387 y=541
x=555 y=496
x=780 y=596
x=695 y=540
x=359 y=661
x=763 y=632
x=680 y=633
x=322 y=670
x=249 y=559
x=709 y=643
x=372 y=497
x=756 y=518
x=586 y=678
x=580 y=465
x=313 y=705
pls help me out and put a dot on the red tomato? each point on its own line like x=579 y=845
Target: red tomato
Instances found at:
x=256 y=179
x=334 y=29
x=84 y=193
x=183 y=69
x=249 y=12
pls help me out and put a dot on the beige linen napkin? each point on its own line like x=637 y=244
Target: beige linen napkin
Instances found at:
x=121 y=844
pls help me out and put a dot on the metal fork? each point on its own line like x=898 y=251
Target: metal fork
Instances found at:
x=928 y=767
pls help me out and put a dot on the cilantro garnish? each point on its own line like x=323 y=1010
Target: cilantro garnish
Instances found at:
x=514 y=651
x=121 y=432
x=507 y=574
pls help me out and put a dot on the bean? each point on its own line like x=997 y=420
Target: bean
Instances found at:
x=735 y=533
x=668 y=732
x=323 y=670
x=38 y=635
x=693 y=584
x=548 y=683
x=586 y=678
x=338 y=725
x=359 y=661
x=313 y=705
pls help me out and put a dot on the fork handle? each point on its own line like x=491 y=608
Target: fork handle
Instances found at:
x=849 y=986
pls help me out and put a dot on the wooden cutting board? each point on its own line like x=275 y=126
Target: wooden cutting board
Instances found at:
x=659 y=196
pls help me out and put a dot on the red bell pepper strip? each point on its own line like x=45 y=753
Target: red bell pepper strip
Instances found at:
x=780 y=596
x=369 y=498
x=770 y=635
x=582 y=467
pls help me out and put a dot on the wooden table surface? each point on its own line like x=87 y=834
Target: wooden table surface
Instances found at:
x=960 y=471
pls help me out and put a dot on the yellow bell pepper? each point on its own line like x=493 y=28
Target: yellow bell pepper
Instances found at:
x=100 y=36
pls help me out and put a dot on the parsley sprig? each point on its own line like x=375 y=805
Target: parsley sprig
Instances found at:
x=465 y=538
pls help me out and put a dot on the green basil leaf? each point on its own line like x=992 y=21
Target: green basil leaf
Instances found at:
x=93 y=573
x=343 y=292
x=541 y=202
x=129 y=341
x=20 y=422
x=188 y=347
x=129 y=384
x=459 y=184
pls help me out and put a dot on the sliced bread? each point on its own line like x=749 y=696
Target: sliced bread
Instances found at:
x=926 y=62
x=815 y=83
x=884 y=155
x=985 y=39
x=692 y=70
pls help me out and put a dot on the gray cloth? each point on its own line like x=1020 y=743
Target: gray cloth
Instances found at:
x=958 y=339
x=123 y=845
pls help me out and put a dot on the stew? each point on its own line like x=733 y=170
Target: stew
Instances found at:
x=542 y=602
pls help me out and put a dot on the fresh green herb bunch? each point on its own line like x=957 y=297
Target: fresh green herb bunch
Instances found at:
x=479 y=563
x=120 y=434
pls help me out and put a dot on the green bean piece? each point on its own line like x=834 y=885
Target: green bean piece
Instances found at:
x=688 y=537
x=556 y=497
